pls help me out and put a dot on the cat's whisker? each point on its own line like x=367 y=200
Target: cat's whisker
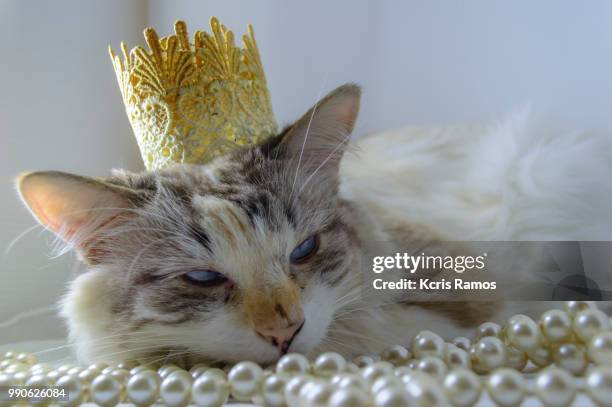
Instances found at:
x=20 y=236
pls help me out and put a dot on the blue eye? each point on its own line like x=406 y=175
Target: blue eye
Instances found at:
x=305 y=250
x=205 y=278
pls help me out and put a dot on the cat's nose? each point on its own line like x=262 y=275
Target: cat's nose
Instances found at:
x=282 y=337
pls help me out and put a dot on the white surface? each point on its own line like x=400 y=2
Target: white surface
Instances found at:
x=419 y=62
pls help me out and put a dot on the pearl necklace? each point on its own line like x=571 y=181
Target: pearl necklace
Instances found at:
x=567 y=351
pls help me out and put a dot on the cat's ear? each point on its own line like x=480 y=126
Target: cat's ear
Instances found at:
x=320 y=137
x=75 y=208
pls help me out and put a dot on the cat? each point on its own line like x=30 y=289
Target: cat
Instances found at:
x=248 y=257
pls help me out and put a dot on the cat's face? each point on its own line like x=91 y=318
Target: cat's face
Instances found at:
x=248 y=257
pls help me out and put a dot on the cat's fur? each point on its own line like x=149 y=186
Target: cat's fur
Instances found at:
x=240 y=215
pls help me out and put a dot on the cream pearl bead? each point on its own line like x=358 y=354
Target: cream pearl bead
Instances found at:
x=175 y=389
x=244 y=379
x=98 y=366
x=292 y=363
x=316 y=394
x=19 y=378
x=349 y=397
x=293 y=389
x=209 y=390
x=165 y=370
x=363 y=361
x=489 y=352
x=374 y=371
x=396 y=355
x=462 y=343
x=588 y=323
x=392 y=397
x=540 y=356
x=143 y=388
x=488 y=329
x=462 y=387
x=599 y=385
x=425 y=392
x=506 y=387
x=600 y=348
x=574 y=307
x=54 y=375
x=328 y=364
x=217 y=372
x=433 y=366
x=427 y=343
x=75 y=389
x=273 y=390
x=515 y=358
x=106 y=391
x=37 y=381
x=555 y=325
x=88 y=375
x=385 y=381
x=522 y=333
x=570 y=357
x=343 y=380
x=555 y=387
x=120 y=374
x=26 y=358
x=456 y=357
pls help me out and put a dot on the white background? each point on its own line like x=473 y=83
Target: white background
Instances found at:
x=418 y=62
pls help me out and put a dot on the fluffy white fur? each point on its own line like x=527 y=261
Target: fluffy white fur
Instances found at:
x=519 y=179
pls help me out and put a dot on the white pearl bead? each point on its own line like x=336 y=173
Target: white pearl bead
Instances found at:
x=540 y=356
x=574 y=307
x=556 y=325
x=293 y=389
x=143 y=388
x=506 y=387
x=433 y=366
x=328 y=364
x=75 y=390
x=396 y=355
x=425 y=392
x=349 y=397
x=37 y=381
x=175 y=389
x=120 y=374
x=392 y=397
x=209 y=390
x=600 y=348
x=292 y=363
x=488 y=329
x=555 y=387
x=462 y=343
x=427 y=343
x=26 y=358
x=588 y=323
x=363 y=361
x=273 y=390
x=165 y=370
x=372 y=372
x=384 y=382
x=570 y=357
x=523 y=333
x=343 y=380
x=316 y=394
x=489 y=352
x=456 y=357
x=599 y=385
x=515 y=358
x=106 y=391
x=88 y=376
x=244 y=379
x=462 y=387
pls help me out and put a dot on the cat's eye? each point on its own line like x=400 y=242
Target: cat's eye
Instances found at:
x=305 y=250
x=205 y=278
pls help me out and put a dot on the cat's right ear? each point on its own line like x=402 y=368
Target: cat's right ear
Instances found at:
x=75 y=208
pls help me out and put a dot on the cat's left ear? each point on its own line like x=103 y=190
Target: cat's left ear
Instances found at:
x=320 y=137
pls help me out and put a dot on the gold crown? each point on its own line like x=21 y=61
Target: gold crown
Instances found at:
x=188 y=103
